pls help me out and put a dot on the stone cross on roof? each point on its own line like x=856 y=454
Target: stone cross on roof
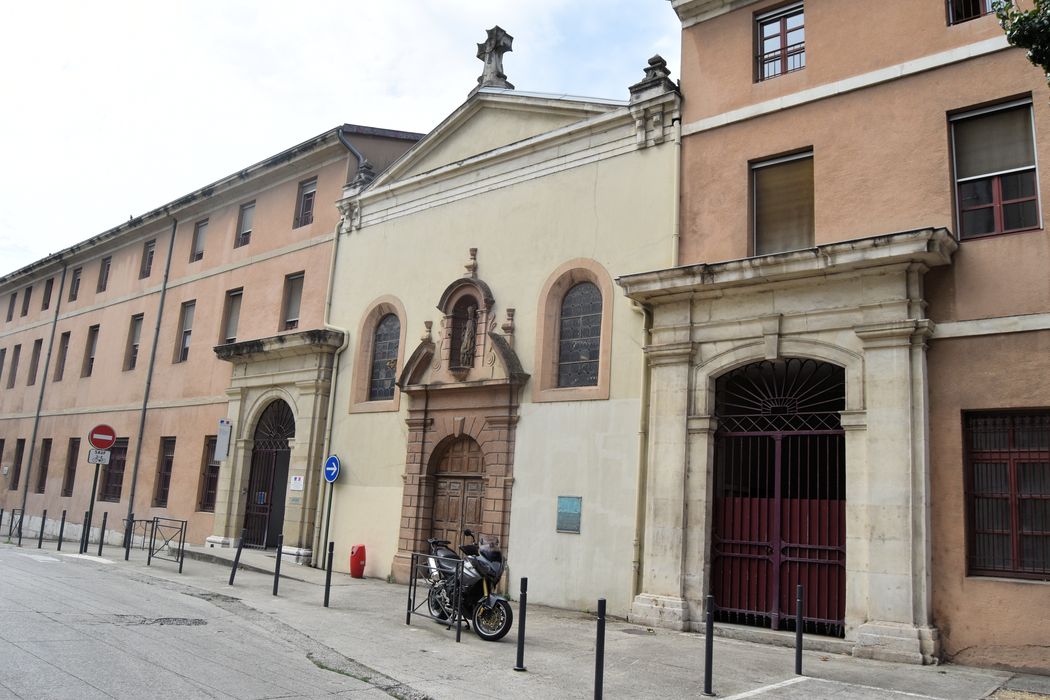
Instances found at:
x=491 y=52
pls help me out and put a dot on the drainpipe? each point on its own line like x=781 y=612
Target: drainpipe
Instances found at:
x=149 y=371
x=40 y=395
x=676 y=226
x=643 y=450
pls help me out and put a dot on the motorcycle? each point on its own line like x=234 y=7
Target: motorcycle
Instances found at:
x=482 y=569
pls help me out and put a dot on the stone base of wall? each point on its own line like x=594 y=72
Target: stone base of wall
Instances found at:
x=886 y=641
x=660 y=611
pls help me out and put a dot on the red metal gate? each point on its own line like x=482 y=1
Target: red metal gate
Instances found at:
x=779 y=499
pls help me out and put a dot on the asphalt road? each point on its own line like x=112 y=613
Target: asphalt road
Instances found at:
x=73 y=628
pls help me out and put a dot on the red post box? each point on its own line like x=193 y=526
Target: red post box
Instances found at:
x=357 y=561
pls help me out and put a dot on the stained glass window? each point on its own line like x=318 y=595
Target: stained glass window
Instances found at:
x=384 y=358
x=579 y=337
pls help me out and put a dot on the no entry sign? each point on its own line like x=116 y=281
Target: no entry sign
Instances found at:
x=102 y=437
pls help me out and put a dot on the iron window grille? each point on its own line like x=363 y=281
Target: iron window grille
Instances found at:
x=997 y=188
x=164 y=468
x=45 y=461
x=781 y=41
x=245 y=220
x=149 y=249
x=965 y=10
x=113 y=474
x=72 y=456
x=74 y=284
x=579 y=336
x=209 y=476
x=385 y=343
x=304 y=207
x=1008 y=494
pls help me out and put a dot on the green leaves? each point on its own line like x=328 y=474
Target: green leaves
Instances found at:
x=1027 y=29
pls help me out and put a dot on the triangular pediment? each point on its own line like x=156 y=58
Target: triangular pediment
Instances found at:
x=491 y=119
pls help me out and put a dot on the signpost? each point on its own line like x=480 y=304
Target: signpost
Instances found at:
x=331 y=473
x=101 y=438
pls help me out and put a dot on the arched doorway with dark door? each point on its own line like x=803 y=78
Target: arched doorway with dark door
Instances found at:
x=458 y=472
x=779 y=517
x=268 y=478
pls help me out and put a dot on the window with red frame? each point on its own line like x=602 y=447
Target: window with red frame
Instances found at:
x=996 y=185
x=962 y=10
x=1008 y=493
x=781 y=42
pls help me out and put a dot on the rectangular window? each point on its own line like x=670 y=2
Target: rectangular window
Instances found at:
x=244 y=225
x=3 y=357
x=42 y=465
x=997 y=190
x=49 y=286
x=200 y=232
x=1008 y=494
x=164 y=467
x=113 y=473
x=89 y=352
x=72 y=456
x=231 y=315
x=962 y=10
x=34 y=361
x=74 y=283
x=293 y=296
x=209 y=476
x=182 y=347
x=16 y=466
x=782 y=190
x=149 y=248
x=304 y=206
x=26 y=296
x=103 y=274
x=60 y=361
x=131 y=352
x=16 y=353
x=11 y=306
x=781 y=41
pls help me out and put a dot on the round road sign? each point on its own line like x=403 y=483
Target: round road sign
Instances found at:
x=102 y=437
x=331 y=469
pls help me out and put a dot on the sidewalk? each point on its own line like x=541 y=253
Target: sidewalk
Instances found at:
x=363 y=634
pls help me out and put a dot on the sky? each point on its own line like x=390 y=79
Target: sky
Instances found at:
x=109 y=109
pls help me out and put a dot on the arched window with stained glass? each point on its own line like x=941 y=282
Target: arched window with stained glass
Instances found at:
x=579 y=336
x=384 y=358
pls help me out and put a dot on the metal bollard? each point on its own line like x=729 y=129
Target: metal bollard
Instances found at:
x=328 y=572
x=21 y=520
x=102 y=533
x=277 y=565
x=85 y=533
x=1 y=518
x=237 y=556
x=61 y=530
x=599 y=652
x=709 y=633
x=40 y=535
x=523 y=598
x=798 y=630
x=129 y=534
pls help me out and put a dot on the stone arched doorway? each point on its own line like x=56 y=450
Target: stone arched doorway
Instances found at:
x=779 y=507
x=268 y=477
x=457 y=470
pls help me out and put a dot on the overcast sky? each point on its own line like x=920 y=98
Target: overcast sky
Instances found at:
x=111 y=109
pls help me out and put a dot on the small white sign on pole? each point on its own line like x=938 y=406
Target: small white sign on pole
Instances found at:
x=222 y=440
x=96 y=456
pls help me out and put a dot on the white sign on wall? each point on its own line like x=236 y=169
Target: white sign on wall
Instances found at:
x=222 y=440
x=297 y=483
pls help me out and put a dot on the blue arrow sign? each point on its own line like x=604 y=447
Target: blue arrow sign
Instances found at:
x=331 y=469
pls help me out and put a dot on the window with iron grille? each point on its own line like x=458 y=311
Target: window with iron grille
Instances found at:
x=60 y=361
x=209 y=476
x=45 y=461
x=49 y=286
x=245 y=220
x=16 y=466
x=16 y=353
x=182 y=348
x=781 y=41
x=579 y=336
x=200 y=232
x=89 y=352
x=997 y=189
x=149 y=249
x=304 y=207
x=113 y=473
x=1008 y=493
x=11 y=306
x=231 y=315
x=963 y=10
x=26 y=296
x=70 y=476
x=103 y=274
x=34 y=361
x=385 y=343
x=164 y=467
x=293 y=297
x=74 y=283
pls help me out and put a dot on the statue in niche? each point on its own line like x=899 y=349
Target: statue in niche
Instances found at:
x=466 y=348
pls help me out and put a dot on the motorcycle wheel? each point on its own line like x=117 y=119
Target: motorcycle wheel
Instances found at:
x=436 y=604
x=492 y=623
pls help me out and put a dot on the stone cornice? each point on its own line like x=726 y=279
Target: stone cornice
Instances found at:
x=310 y=342
x=930 y=246
x=669 y=353
x=691 y=12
